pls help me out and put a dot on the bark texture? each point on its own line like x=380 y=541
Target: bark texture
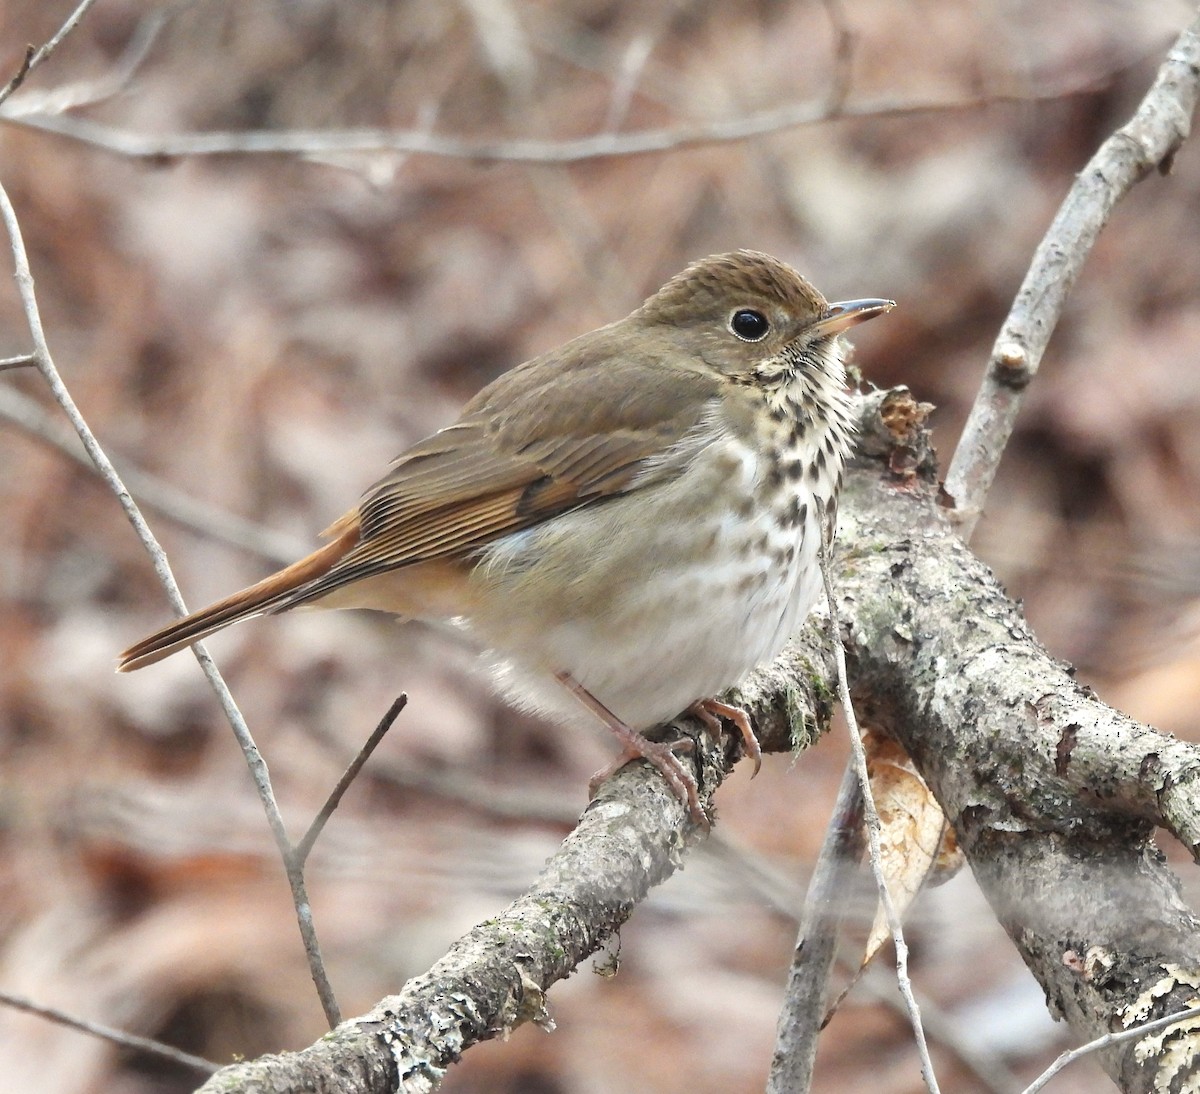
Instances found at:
x=1054 y=795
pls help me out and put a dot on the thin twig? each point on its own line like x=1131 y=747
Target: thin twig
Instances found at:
x=79 y=93
x=504 y=43
x=633 y=64
x=1108 y=1040
x=241 y=731
x=34 y=57
x=753 y=875
x=348 y=776
x=308 y=934
x=816 y=947
x=22 y=360
x=871 y=821
x=107 y=1033
x=1148 y=141
x=988 y=1067
x=843 y=54
x=151 y=492
x=126 y=142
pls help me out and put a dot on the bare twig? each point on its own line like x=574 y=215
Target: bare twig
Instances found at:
x=153 y=493
x=348 y=776
x=34 y=57
x=241 y=731
x=751 y=873
x=308 y=933
x=126 y=142
x=1108 y=1040
x=107 y=1033
x=872 y=824
x=89 y=92
x=803 y=1001
x=1147 y=142
x=22 y=360
x=843 y=54
x=633 y=64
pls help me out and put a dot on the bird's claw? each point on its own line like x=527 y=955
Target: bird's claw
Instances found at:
x=711 y=711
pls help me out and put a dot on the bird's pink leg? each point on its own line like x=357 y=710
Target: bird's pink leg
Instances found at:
x=635 y=746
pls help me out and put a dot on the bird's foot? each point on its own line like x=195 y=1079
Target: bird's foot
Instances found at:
x=711 y=711
x=634 y=746
x=662 y=756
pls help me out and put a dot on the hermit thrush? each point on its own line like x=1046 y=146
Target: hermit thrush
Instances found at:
x=631 y=522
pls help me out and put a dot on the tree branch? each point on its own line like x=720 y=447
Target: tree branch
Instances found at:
x=631 y=837
x=804 y=999
x=318 y=142
x=1147 y=142
x=1053 y=795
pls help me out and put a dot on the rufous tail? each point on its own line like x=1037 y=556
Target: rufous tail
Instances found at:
x=270 y=593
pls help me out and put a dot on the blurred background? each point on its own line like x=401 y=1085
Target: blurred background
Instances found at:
x=261 y=334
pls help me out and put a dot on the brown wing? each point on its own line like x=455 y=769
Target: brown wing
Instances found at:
x=539 y=442
x=544 y=438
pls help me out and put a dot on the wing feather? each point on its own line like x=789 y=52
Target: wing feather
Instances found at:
x=528 y=448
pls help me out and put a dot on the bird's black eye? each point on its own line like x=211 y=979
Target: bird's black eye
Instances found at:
x=749 y=325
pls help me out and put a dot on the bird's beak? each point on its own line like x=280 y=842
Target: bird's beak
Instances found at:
x=846 y=314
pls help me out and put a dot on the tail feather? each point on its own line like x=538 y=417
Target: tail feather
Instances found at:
x=262 y=597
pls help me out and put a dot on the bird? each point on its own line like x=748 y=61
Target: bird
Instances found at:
x=628 y=523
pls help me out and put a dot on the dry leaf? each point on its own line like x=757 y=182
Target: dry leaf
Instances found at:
x=917 y=846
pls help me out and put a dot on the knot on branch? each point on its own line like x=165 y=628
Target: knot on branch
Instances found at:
x=892 y=431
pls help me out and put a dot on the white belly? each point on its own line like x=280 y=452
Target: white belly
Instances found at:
x=650 y=610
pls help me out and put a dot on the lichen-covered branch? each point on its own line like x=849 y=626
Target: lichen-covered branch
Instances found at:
x=1053 y=794
x=632 y=837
